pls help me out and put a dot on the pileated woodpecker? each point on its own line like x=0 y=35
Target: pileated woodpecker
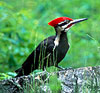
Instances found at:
x=52 y=50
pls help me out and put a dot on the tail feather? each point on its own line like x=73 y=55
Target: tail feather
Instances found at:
x=19 y=72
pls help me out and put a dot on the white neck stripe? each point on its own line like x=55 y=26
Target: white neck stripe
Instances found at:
x=57 y=39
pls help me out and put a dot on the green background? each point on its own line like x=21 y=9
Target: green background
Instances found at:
x=24 y=24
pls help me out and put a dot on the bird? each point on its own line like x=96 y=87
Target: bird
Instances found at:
x=51 y=50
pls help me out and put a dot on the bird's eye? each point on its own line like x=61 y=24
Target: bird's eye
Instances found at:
x=67 y=21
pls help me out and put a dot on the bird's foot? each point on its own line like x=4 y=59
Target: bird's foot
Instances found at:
x=61 y=68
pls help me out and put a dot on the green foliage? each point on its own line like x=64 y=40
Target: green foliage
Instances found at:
x=4 y=76
x=23 y=25
x=52 y=69
x=54 y=84
x=8 y=75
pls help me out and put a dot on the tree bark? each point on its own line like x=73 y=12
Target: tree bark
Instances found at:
x=80 y=80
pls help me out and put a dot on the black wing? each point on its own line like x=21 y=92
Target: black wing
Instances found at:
x=32 y=62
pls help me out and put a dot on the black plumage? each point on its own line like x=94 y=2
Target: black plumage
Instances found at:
x=45 y=55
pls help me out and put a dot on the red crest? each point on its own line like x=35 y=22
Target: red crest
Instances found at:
x=58 y=20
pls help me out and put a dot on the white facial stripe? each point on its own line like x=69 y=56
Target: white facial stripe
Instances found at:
x=71 y=22
x=64 y=26
x=64 y=22
x=68 y=28
x=60 y=23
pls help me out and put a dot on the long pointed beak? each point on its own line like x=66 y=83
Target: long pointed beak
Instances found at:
x=78 y=20
x=71 y=23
